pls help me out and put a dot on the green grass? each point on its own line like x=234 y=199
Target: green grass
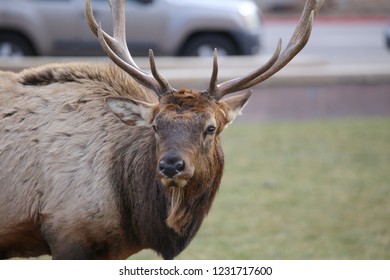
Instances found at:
x=300 y=190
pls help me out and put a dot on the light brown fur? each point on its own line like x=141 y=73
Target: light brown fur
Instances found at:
x=48 y=148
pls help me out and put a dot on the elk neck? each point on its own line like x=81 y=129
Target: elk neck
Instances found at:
x=169 y=230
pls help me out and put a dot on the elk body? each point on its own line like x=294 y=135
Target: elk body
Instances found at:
x=100 y=161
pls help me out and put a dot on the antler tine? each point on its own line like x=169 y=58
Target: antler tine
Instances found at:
x=119 y=26
x=298 y=40
x=165 y=87
x=116 y=48
x=119 y=23
x=214 y=76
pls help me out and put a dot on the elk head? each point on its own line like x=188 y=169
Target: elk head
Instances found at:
x=187 y=122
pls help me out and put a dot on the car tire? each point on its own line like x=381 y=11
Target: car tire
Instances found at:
x=14 y=45
x=204 y=45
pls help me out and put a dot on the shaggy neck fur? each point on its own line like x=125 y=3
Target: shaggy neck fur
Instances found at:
x=146 y=209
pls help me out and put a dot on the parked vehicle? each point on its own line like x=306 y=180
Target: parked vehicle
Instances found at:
x=173 y=27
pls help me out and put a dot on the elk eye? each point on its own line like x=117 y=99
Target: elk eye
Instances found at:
x=154 y=127
x=211 y=129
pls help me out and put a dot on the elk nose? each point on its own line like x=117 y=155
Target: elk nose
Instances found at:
x=171 y=166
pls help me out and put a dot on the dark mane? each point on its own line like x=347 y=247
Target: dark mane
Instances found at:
x=56 y=73
x=110 y=77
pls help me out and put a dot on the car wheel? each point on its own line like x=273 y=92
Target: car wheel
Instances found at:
x=204 y=45
x=13 y=45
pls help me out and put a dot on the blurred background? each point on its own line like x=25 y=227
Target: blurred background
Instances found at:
x=308 y=163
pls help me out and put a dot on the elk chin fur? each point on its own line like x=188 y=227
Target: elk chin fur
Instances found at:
x=174 y=183
x=176 y=214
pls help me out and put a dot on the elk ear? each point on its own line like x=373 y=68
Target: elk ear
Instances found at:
x=232 y=106
x=129 y=111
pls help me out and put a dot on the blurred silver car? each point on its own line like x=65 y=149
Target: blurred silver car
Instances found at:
x=169 y=27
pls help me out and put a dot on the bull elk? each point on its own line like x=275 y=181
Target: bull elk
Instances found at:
x=100 y=161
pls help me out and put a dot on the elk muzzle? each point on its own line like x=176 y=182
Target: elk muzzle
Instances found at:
x=174 y=170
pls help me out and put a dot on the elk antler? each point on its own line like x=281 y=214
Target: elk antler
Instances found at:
x=116 y=48
x=278 y=61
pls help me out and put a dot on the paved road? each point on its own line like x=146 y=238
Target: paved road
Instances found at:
x=337 y=41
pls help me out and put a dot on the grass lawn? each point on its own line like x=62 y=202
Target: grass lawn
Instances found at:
x=300 y=190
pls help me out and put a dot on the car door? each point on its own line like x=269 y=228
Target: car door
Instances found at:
x=56 y=25
x=146 y=25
